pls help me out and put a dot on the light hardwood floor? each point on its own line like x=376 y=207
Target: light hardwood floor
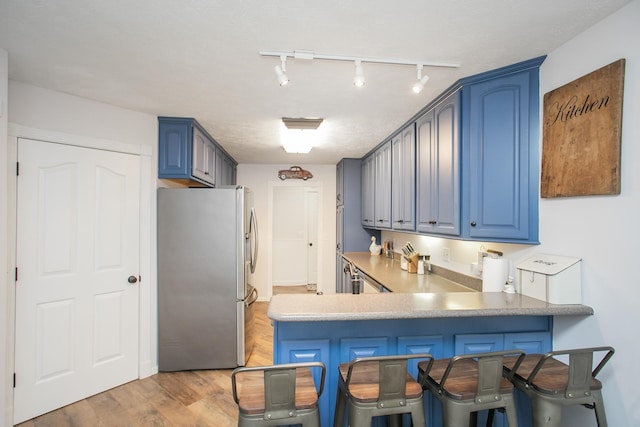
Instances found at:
x=189 y=398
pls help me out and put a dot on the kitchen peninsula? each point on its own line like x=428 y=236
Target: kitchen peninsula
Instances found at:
x=338 y=328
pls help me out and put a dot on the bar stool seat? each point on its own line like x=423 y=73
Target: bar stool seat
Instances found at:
x=552 y=384
x=470 y=383
x=277 y=395
x=378 y=386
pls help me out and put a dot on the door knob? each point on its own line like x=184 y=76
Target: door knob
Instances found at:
x=132 y=279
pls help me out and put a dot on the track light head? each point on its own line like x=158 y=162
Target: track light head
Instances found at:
x=422 y=80
x=280 y=71
x=358 y=80
x=282 y=77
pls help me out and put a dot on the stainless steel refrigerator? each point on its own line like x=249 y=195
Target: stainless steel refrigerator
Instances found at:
x=207 y=253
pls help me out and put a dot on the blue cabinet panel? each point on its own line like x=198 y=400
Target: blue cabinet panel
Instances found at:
x=478 y=343
x=529 y=342
x=175 y=157
x=352 y=348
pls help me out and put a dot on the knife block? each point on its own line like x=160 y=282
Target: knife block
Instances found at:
x=412 y=265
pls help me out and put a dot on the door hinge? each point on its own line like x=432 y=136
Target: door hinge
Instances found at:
x=17 y=168
x=16 y=274
x=14 y=380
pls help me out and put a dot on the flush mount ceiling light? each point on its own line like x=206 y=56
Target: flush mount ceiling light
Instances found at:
x=422 y=80
x=280 y=71
x=358 y=80
x=299 y=135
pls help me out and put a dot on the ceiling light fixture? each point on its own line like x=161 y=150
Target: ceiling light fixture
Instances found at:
x=359 y=77
x=281 y=70
x=299 y=135
x=419 y=85
x=358 y=80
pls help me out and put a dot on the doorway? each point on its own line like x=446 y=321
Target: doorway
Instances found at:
x=295 y=243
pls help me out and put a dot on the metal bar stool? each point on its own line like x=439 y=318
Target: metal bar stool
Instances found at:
x=470 y=383
x=277 y=395
x=552 y=384
x=378 y=386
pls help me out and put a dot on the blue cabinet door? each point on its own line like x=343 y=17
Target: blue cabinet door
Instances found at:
x=403 y=179
x=174 y=154
x=502 y=157
x=368 y=188
x=382 y=186
x=438 y=164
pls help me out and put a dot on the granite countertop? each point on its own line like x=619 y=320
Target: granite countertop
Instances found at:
x=388 y=273
x=412 y=296
x=389 y=305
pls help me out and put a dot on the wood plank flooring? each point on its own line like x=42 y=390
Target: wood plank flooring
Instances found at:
x=189 y=398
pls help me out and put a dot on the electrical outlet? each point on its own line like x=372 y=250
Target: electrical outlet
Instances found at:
x=446 y=255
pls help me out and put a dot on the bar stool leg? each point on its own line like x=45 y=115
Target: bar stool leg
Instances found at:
x=510 y=410
x=417 y=416
x=338 y=418
x=599 y=409
x=359 y=418
x=455 y=415
x=395 y=420
x=545 y=413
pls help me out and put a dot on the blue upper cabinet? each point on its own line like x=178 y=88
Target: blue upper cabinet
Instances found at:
x=403 y=179
x=476 y=162
x=186 y=152
x=438 y=186
x=500 y=153
x=382 y=186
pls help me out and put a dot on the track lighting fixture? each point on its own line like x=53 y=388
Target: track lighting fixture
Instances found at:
x=422 y=80
x=280 y=71
x=358 y=80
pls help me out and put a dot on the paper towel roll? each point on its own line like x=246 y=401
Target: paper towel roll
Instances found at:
x=495 y=272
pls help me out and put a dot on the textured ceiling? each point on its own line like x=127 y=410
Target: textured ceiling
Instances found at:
x=199 y=58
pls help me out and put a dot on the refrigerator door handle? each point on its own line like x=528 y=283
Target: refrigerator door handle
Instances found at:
x=253 y=297
x=253 y=240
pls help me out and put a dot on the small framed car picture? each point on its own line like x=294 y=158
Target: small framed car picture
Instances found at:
x=294 y=172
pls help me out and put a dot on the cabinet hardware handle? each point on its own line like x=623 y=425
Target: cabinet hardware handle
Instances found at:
x=432 y=222
x=473 y=223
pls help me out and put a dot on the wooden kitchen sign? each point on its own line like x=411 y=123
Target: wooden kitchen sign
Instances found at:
x=581 y=135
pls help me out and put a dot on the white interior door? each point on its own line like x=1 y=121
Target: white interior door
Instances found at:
x=311 y=197
x=77 y=250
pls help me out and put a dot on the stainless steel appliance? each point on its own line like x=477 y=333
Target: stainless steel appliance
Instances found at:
x=207 y=253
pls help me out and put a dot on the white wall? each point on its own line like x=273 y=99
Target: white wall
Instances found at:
x=602 y=230
x=262 y=179
x=5 y=378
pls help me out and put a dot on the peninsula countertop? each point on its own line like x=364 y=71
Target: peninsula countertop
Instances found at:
x=390 y=305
